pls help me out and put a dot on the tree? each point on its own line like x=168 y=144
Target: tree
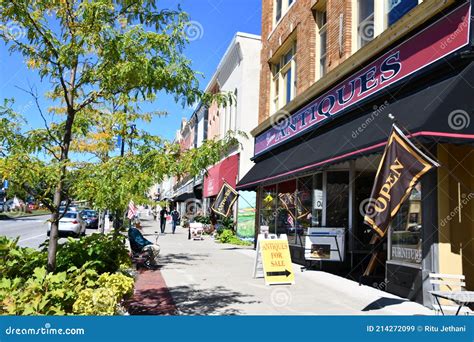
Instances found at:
x=92 y=53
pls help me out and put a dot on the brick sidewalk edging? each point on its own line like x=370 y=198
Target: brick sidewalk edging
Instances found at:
x=151 y=296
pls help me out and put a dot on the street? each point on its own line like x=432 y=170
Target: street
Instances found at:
x=31 y=230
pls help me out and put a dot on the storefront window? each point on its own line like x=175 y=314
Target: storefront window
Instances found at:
x=286 y=214
x=268 y=208
x=337 y=197
x=317 y=207
x=406 y=230
x=303 y=208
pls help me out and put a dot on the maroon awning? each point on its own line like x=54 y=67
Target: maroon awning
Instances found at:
x=226 y=170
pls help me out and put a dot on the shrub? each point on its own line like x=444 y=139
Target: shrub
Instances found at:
x=85 y=271
x=107 y=251
x=228 y=236
x=16 y=261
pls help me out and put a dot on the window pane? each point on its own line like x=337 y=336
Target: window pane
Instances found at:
x=366 y=9
x=268 y=208
x=398 y=8
x=366 y=31
x=286 y=216
x=406 y=230
x=337 y=194
x=287 y=57
x=278 y=9
x=317 y=212
x=288 y=85
x=322 y=42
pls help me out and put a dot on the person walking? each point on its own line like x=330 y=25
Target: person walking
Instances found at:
x=175 y=219
x=163 y=213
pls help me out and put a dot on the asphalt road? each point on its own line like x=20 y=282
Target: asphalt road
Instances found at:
x=31 y=230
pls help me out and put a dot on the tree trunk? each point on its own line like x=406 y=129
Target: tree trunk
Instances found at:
x=58 y=193
x=102 y=222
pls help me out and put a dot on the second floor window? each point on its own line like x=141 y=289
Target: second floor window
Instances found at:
x=284 y=78
x=321 y=20
x=365 y=27
x=281 y=6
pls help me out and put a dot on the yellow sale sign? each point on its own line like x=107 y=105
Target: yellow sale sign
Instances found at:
x=276 y=259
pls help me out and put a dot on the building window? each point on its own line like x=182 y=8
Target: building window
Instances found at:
x=405 y=232
x=284 y=79
x=365 y=27
x=372 y=17
x=321 y=21
x=281 y=7
x=398 y=8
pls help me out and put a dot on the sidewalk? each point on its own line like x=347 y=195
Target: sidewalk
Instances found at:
x=207 y=278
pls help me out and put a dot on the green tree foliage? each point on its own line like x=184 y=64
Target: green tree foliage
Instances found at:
x=96 y=54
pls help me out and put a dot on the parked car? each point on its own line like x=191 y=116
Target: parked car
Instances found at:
x=69 y=209
x=91 y=218
x=71 y=224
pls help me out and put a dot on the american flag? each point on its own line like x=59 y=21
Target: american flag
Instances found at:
x=132 y=210
x=290 y=220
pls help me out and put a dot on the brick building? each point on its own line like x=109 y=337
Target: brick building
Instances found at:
x=331 y=73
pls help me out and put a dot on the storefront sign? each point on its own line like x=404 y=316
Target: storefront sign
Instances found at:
x=440 y=39
x=412 y=255
x=276 y=259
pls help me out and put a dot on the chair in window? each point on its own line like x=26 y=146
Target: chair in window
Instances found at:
x=448 y=282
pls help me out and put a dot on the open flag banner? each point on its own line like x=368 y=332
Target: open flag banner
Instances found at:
x=225 y=200
x=402 y=165
x=132 y=210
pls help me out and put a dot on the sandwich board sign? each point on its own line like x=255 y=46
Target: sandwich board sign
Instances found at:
x=273 y=260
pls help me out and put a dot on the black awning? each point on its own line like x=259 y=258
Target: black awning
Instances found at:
x=440 y=112
x=184 y=196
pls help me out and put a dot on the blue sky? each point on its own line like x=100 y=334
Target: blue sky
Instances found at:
x=219 y=19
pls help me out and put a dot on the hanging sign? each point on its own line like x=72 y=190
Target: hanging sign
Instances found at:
x=276 y=258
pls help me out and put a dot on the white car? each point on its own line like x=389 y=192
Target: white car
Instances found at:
x=71 y=224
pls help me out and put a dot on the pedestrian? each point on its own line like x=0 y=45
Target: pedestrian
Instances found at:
x=163 y=213
x=175 y=219
x=155 y=213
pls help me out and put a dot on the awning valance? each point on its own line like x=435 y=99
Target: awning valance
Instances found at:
x=440 y=111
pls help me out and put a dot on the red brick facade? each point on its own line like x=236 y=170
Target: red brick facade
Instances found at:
x=300 y=20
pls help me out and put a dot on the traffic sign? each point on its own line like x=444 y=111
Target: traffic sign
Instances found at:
x=277 y=266
x=5 y=184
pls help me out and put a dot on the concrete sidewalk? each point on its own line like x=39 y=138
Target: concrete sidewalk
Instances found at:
x=208 y=278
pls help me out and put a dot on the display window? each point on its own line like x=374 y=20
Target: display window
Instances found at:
x=405 y=232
